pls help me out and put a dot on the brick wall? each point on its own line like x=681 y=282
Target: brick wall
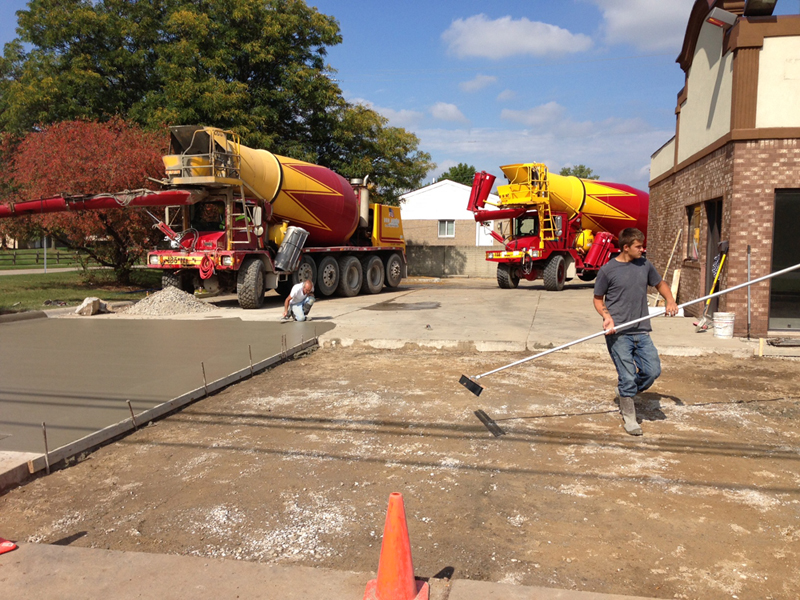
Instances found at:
x=710 y=178
x=744 y=175
x=424 y=232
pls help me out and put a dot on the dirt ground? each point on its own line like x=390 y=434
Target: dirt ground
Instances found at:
x=295 y=466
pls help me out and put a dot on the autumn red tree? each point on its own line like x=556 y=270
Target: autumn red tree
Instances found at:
x=86 y=157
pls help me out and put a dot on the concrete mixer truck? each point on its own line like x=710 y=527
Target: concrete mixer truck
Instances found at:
x=242 y=220
x=559 y=227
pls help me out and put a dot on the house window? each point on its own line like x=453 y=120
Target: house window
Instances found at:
x=693 y=243
x=447 y=229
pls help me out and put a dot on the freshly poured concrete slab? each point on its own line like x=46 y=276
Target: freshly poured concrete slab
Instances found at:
x=76 y=375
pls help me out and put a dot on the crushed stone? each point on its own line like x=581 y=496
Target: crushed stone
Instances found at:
x=169 y=301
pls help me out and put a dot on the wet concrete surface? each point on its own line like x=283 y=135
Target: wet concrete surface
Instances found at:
x=76 y=375
x=395 y=306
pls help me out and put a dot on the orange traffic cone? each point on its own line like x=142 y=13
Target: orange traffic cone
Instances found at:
x=395 y=570
x=6 y=546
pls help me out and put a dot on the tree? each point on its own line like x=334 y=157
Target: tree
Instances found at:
x=461 y=173
x=581 y=171
x=362 y=144
x=81 y=157
x=254 y=66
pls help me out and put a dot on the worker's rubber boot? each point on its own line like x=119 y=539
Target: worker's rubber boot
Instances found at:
x=628 y=411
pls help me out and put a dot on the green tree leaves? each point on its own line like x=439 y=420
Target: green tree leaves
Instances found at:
x=254 y=66
x=580 y=171
x=461 y=173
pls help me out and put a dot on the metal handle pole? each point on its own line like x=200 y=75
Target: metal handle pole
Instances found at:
x=748 y=292
x=639 y=320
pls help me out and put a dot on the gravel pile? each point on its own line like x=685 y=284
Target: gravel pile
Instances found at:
x=169 y=301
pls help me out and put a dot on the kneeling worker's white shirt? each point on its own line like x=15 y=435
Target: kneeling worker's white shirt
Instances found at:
x=296 y=296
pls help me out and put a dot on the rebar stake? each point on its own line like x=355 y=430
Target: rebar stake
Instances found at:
x=46 y=449
x=250 y=350
x=133 y=418
x=205 y=383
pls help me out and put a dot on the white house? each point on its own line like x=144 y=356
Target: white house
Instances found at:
x=437 y=215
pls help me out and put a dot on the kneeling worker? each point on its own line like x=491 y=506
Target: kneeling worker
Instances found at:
x=620 y=295
x=299 y=301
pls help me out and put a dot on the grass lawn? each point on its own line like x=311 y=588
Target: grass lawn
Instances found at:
x=30 y=292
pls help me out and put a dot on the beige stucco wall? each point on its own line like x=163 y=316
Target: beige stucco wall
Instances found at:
x=706 y=114
x=778 y=103
x=663 y=159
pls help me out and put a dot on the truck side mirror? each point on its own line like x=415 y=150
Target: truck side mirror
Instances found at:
x=258 y=221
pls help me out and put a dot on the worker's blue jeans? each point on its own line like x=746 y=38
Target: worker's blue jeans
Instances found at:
x=637 y=362
x=299 y=311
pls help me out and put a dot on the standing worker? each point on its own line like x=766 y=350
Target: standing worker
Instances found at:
x=620 y=295
x=299 y=301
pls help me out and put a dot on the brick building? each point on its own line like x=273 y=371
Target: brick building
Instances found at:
x=732 y=171
x=442 y=236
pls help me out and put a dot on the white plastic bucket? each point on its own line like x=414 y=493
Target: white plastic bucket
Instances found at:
x=723 y=324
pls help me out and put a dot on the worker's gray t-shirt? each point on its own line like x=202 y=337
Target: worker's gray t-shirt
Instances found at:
x=624 y=284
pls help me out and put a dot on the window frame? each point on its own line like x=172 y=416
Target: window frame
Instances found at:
x=448 y=224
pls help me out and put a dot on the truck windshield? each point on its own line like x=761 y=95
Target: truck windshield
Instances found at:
x=526 y=226
x=208 y=216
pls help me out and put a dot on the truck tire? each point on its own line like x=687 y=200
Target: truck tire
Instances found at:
x=306 y=270
x=507 y=276
x=374 y=275
x=350 y=276
x=588 y=276
x=555 y=273
x=182 y=281
x=250 y=283
x=327 y=276
x=394 y=270
x=170 y=279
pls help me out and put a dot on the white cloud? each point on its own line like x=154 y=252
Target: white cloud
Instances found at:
x=448 y=112
x=479 y=36
x=478 y=83
x=397 y=118
x=650 y=25
x=539 y=115
x=506 y=95
x=616 y=149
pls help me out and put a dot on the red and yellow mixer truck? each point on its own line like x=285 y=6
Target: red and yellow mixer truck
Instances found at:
x=246 y=220
x=559 y=227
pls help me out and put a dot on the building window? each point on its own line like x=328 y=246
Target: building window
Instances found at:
x=447 y=229
x=693 y=243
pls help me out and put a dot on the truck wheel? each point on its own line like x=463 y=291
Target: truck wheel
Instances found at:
x=170 y=279
x=327 y=276
x=555 y=274
x=394 y=270
x=306 y=270
x=507 y=276
x=374 y=275
x=588 y=276
x=182 y=281
x=350 y=276
x=250 y=284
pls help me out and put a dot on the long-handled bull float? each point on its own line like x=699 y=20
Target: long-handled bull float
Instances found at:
x=475 y=388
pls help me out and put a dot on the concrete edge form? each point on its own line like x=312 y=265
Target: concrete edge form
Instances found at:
x=23 y=316
x=14 y=468
x=97 y=438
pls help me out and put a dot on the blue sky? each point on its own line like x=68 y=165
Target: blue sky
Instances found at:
x=493 y=83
